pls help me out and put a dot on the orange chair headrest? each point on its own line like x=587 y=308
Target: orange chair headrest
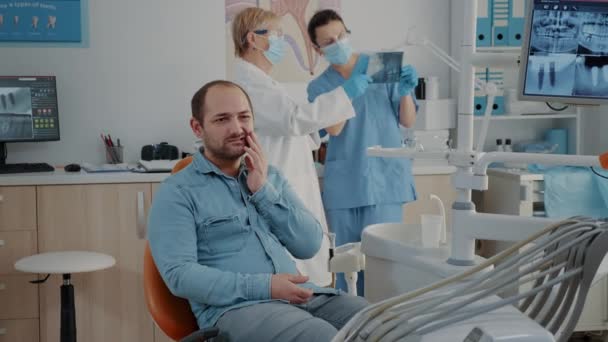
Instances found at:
x=182 y=164
x=604 y=160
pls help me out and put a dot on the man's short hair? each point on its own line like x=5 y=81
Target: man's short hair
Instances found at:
x=321 y=18
x=247 y=20
x=199 y=98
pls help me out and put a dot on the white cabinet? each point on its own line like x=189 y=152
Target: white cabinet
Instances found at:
x=521 y=128
x=19 y=315
x=94 y=212
x=110 y=304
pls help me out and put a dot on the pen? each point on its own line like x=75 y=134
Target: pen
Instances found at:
x=108 y=145
x=105 y=140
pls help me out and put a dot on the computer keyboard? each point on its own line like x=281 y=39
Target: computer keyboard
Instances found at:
x=25 y=167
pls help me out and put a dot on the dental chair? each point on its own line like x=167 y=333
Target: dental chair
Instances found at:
x=170 y=313
x=551 y=271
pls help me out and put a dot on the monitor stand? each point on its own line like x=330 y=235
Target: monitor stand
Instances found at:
x=21 y=167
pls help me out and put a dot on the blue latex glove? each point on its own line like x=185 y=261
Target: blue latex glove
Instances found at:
x=358 y=82
x=408 y=80
x=356 y=85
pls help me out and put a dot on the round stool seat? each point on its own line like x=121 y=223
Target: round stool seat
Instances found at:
x=65 y=262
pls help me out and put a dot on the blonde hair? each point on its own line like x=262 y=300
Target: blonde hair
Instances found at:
x=248 y=20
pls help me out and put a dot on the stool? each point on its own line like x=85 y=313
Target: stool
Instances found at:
x=65 y=263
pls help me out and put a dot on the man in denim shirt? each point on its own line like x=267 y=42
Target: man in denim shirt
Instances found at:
x=220 y=229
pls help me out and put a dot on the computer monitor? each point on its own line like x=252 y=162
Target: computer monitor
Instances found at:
x=28 y=109
x=565 y=52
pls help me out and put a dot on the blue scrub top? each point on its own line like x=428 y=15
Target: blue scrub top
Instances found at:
x=351 y=178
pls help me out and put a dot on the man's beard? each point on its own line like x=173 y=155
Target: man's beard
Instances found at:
x=226 y=151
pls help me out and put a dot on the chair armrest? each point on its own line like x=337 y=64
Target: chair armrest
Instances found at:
x=201 y=335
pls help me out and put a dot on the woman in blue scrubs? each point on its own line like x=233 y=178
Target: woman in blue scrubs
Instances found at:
x=359 y=190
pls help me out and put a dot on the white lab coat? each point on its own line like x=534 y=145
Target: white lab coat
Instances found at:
x=287 y=132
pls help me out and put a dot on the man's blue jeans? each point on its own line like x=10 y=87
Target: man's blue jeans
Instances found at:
x=318 y=320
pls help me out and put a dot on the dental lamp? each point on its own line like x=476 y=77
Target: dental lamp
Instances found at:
x=486 y=87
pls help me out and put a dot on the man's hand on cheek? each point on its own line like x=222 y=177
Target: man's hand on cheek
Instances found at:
x=256 y=163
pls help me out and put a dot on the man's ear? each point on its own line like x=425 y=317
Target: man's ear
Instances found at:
x=197 y=127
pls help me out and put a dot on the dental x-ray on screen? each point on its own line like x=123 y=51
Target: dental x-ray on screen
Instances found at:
x=565 y=55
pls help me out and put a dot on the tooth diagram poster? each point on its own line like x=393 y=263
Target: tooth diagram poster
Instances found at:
x=40 y=21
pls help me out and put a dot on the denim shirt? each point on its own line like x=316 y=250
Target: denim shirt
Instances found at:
x=217 y=245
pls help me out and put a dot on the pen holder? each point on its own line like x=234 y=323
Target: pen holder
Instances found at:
x=114 y=154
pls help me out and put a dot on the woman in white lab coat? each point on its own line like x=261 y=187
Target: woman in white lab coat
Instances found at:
x=288 y=130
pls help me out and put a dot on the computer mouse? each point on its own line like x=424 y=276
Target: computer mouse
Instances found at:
x=72 y=168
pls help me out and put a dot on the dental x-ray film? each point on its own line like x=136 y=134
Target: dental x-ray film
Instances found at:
x=568 y=50
x=385 y=67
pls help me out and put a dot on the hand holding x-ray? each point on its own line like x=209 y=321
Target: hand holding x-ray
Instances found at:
x=408 y=80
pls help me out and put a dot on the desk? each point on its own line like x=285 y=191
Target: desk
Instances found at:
x=61 y=211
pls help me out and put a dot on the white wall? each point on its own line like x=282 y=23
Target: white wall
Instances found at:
x=147 y=57
x=134 y=81
x=383 y=24
x=594 y=139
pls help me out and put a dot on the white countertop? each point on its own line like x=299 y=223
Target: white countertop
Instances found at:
x=60 y=177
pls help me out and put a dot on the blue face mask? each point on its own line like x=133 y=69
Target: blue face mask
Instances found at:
x=276 y=49
x=338 y=52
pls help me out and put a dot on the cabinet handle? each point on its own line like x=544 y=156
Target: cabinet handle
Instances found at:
x=1 y=243
x=1 y=198
x=523 y=193
x=605 y=306
x=2 y=331
x=141 y=219
x=2 y=286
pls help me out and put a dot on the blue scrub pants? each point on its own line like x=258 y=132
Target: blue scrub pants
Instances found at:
x=348 y=224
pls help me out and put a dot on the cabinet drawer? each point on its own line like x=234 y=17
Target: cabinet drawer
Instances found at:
x=19 y=298
x=22 y=330
x=14 y=246
x=17 y=208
